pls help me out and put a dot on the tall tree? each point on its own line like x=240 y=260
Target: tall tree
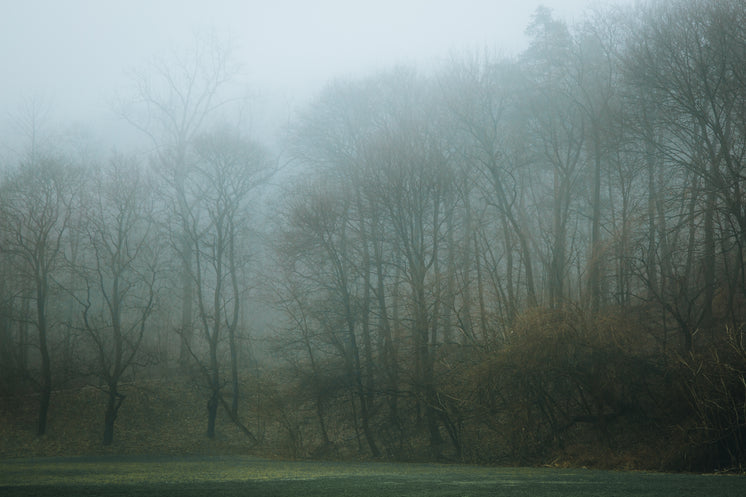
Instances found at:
x=557 y=131
x=227 y=169
x=482 y=99
x=173 y=102
x=35 y=206
x=596 y=76
x=120 y=273
x=692 y=58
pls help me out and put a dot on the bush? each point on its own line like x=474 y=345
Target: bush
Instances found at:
x=713 y=380
x=565 y=377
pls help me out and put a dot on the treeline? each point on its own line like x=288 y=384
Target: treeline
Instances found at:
x=493 y=259
x=135 y=263
x=501 y=260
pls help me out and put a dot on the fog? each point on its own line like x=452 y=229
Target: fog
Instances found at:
x=76 y=56
x=492 y=233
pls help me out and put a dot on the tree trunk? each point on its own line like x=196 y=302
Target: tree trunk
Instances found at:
x=391 y=367
x=45 y=395
x=214 y=381
x=187 y=296
x=234 y=372
x=46 y=368
x=187 y=256
x=364 y=412
x=322 y=423
x=709 y=249
x=557 y=267
x=113 y=403
x=365 y=311
x=234 y=319
x=650 y=266
x=212 y=413
x=480 y=291
x=595 y=266
x=467 y=261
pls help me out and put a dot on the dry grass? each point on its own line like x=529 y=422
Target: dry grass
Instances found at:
x=157 y=417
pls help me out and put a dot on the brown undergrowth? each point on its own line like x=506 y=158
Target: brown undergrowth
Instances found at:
x=157 y=417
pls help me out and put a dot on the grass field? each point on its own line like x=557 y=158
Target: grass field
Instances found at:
x=246 y=476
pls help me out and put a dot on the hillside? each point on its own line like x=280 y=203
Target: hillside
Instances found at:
x=157 y=417
x=168 y=416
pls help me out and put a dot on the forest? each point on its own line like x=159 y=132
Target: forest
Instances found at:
x=508 y=260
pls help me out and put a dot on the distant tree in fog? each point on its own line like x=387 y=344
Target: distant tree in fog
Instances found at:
x=172 y=102
x=36 y=208
x=119 y=272
x=227 y=169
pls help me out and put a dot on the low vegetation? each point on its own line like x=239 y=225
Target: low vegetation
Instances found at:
x=233 y=476
x=562 y=391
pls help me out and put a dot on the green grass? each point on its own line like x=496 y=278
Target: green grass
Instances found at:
x=246 y=476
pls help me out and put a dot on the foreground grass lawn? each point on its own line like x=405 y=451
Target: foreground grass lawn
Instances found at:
x=246 y=476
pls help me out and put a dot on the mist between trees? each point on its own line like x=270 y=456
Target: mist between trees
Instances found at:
x=507 y=260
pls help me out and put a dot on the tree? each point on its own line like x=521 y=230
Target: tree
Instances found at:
x=344 y=221
x=172 y=105
x=227 y=169
x=322 y=223
x=597 y=79
x=415 y=178
x=483 y=100
x=120 y=272
x=557 y=129
x=692 y=59
x=35 y=206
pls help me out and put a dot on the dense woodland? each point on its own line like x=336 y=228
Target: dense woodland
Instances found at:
x=493 y=261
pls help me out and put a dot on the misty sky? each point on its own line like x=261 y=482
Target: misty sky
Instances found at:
x=76 y=54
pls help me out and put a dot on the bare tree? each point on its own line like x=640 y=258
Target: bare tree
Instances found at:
x=482 y=100
x=689 y=58
x=120 y=275
x=557 y=134
x=35 y=206
x=173 y=101
x=227 y=170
